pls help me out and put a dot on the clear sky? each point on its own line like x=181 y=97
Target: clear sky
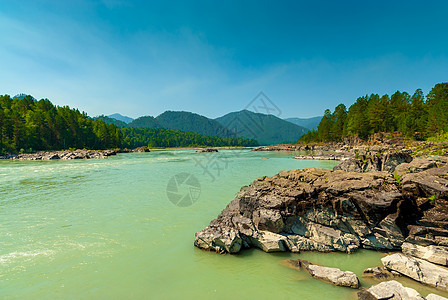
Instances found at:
x=212 y=57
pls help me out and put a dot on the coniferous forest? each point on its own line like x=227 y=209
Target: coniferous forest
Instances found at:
x=415 y=116
x=27 y=124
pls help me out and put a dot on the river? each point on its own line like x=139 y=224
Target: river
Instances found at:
x=97 y=229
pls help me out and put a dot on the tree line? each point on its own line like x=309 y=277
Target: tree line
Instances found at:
x=27 y=124
x=414 y=116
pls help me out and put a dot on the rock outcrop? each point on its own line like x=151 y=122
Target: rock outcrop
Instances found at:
x=392 y=290
x=331 y=275
x=312 y=209
x=417 y=269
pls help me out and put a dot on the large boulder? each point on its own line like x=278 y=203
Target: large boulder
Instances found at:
x=391 y=290
x=417 y=269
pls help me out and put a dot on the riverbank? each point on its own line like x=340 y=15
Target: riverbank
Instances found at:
x=99 y=154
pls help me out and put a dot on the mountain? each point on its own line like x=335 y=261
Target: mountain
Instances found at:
x=310 y=123
x=145 y=122
x=184 y=121
x=121 y=118
x=109 y=120
x=266 y=129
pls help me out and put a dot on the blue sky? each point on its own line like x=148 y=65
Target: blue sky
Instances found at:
x=212 y=57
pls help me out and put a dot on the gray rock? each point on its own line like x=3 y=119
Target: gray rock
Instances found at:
x=205 y=150
x=332 y=275
x=434 y=254
x=269 y=242
x=392 y=290
x=417 y=269
x=349 y=165
x=415 y=166
x=141 y=149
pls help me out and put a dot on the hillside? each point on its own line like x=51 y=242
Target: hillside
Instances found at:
x=266 y=129
x=145 y=122
x=310 y=123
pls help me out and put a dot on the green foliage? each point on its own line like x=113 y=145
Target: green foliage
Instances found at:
x=410 y=115
x=441 y=137
x=26 y=123
x=398 y=178
x=432 y=198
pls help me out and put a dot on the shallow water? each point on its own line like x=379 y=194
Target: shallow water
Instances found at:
x=106 y=229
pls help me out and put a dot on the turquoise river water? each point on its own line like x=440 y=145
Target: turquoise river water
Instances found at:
x=105 y=229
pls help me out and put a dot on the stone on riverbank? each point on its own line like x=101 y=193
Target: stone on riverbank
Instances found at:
x=417 y=269
x=392 y=290
x=331 y=275
x=379 y=273
x=206 y=150
x=435 y=254
x=142 y=149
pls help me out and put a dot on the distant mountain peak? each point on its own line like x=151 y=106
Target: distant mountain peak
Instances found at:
x=121 y=118
x=22 y=96
x=310 y=123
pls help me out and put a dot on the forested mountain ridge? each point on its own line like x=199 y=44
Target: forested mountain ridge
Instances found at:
x=145 y=122
x=415 y=116
x=266 y=129
x=187 y=121
x=178 y=120
x=28 y=124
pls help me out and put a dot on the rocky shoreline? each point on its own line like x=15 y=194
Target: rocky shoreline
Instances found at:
x=379 y=199
x=70 y=154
